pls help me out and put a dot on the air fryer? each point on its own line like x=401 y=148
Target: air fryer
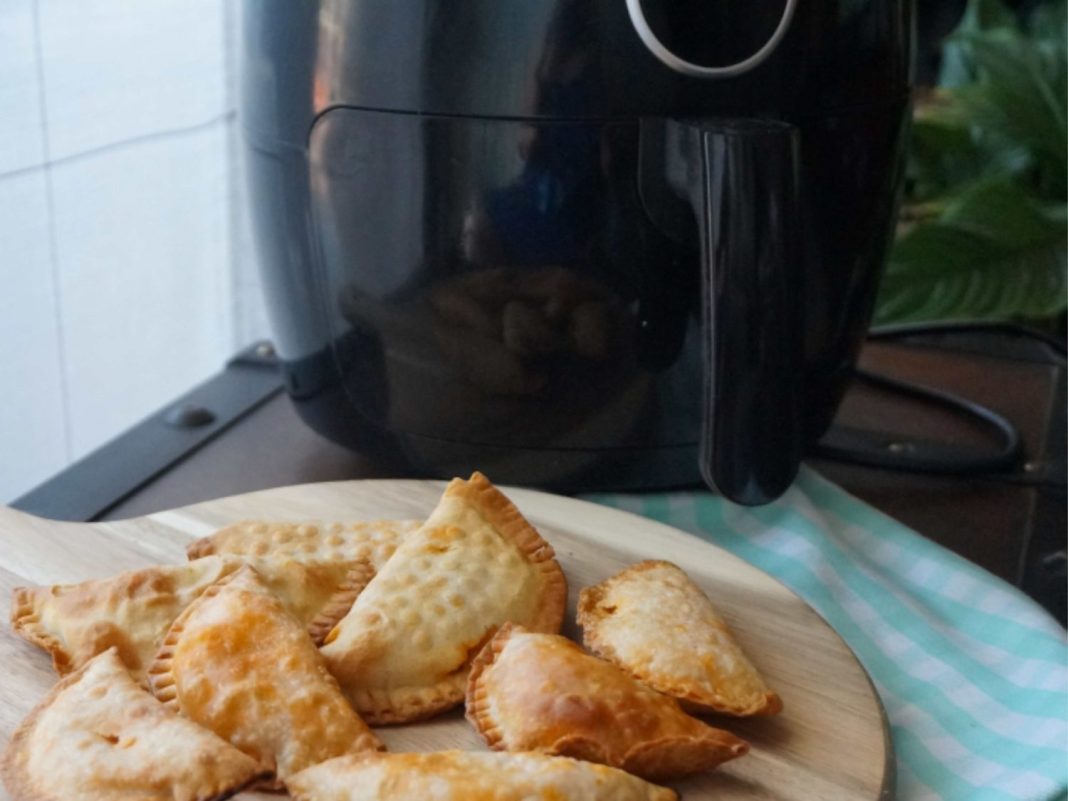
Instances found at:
x=576 y=244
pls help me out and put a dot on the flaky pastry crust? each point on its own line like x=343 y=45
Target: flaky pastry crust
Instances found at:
x=239 y=664
x=357 y=577
x=403 y=651
x=133 y=610
x=372 y=541
x=469 y=776
x=652 y=621
x=130 y=612
x=541 y=692
x=98 y=736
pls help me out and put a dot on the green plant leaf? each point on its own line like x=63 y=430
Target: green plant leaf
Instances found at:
x=979 y=15
x=994 y=254
x=1049 y=23
x=1002 y=213
x=942 y=155
x=1020 y=94
x=946 y=154
x=987 y=176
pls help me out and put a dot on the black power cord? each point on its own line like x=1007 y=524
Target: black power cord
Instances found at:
x=931 y=457
x=905 y=330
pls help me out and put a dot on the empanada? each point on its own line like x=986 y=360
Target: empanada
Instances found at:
x=541 y=692
x=98 y=736
x=469 y=776
x=656 y=624
x=133 y=610
x=238 y=663
x=370 y=540
x=403 y=650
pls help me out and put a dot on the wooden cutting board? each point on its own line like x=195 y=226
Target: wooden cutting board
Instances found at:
x=830 y=742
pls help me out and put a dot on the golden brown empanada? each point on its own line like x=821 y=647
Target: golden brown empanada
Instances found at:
x=370 y=540
x=403 y=650
x=133 y=610
x=98 y=736
x=238 y=663
x=541 y=692
x=469 y=776
x=657 y=625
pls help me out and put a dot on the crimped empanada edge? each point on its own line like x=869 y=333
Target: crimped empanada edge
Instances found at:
x=707 y=748
x=508 y=521
x=770 y=703
x=350 y=760
x=26 y=622
x=200 y=548
x=160 y=674
x=477 y=704
x=655 y=760
x=335 y=609
x=691 y=699
x=408 y=704
x=652 y=792
x=12 y=767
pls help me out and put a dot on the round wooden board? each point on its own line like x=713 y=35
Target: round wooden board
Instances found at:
x=830 y=742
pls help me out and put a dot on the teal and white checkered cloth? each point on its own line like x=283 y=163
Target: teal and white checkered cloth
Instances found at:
x=973 y=674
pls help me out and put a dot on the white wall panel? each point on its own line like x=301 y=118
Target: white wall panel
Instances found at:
x=32 y=439
x=116 y=70
x=21 y=135
x=142 y=237
x=153 y=283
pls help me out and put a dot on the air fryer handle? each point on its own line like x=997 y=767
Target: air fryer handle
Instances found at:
x=745 y=195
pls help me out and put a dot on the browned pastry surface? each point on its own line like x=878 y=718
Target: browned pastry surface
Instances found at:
x=98 y=736
x=469 y=776
x=541 y=692
x=656 y=624
x=373 y=541
x=133 y=610
x=239 y=664
x=403 y=651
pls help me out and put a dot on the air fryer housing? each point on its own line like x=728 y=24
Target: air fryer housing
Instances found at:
x=508 y=236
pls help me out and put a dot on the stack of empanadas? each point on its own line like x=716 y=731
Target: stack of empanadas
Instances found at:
x=238 y=664
x=133 y=610
x=261 y=662
x=403 y=651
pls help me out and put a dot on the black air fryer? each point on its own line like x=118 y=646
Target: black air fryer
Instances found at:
x=578 y=244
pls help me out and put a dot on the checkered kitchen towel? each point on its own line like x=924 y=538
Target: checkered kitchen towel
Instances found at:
x=973 y=674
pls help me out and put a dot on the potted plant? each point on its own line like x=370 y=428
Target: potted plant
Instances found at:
x=984 y=231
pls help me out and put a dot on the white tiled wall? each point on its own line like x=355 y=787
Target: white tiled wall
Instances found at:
x=144 y=295
x=33 y=427
x=116 y=70
x=21 y=137
x=125 y=273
